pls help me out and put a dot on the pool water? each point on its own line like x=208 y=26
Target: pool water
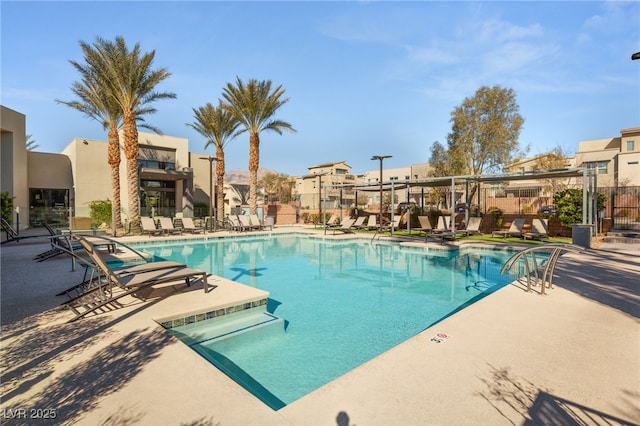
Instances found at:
x=333 y=305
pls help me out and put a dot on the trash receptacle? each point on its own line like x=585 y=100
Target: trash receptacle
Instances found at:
x=581 y=235
x=269 y=221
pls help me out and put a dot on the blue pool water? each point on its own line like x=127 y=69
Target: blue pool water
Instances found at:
x=343 y=303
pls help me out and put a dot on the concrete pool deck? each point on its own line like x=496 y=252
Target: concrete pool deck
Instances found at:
x=571 y=356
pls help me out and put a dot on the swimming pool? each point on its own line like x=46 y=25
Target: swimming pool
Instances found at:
x=333 y=305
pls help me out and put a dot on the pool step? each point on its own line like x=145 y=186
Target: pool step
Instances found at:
x=216 y=330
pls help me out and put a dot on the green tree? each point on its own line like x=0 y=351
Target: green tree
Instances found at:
x=441 y=166
x=127 y=78
x=569 y=205
x=254 y=105
x=484 y=134
x=277 y=187
x=554 y=159
x=218 y=126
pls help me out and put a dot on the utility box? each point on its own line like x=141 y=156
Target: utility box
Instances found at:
x=581 y=235
x=269 y=221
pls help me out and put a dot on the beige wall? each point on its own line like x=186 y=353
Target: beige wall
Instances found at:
x=13 y=160
x=91 y=173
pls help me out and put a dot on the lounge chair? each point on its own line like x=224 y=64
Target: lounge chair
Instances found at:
x=254 y=220
x=235 y=224
x=13 y=235
x=539 y=229
x=61 y=244
x=149 y=227
x=166 y=225
x=425 y=225
x=515 y=230
x=113 y=285
x=359 y=222
x=371 y=222
x=333 y=221
x=246 y=223
x=345 y=226
x=393 y=225
x=473 y=227
x=188 y=226
x=442 y=226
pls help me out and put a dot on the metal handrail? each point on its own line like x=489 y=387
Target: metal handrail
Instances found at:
x=556 y=251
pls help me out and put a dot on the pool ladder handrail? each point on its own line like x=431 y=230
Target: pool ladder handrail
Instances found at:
x=556 y=251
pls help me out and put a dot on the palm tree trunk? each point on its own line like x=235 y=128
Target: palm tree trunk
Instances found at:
x=131 y=152
x=114 y=162
x=220 y=166
x=254 y=162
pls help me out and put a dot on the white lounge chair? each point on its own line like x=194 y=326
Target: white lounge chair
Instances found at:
x=515 y=230
x=149 y=227
x=371 y=222
x=188 y=226
x=359 y=222
x=473 y=227
x=167 y=227
x=539 y=229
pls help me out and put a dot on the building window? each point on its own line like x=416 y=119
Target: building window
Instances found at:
x=601 y=166
x=630 y=146
x=48 y=205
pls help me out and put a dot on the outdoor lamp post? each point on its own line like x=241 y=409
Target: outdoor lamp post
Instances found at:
x=380 y=157
x=211 y=194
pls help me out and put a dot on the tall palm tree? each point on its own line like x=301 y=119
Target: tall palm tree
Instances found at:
x=128 y=78
x=254 y=106
x=218 y=126
x=95 y=103
x=30 y=144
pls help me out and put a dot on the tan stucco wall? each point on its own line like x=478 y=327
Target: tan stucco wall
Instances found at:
x=91 y=176
x=13 y=159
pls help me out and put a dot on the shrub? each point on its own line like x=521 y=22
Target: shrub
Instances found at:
x=569 y=204
x=100 y=212
x=6 y=203
x=498 y=216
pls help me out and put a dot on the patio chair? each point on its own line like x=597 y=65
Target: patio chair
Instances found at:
x=359 y=222
x=113 y=285
x=393 y=225
x=235 y=224
x=473 y=227
x=333 y=221
x=254 y=220
x=246 y=223
x=515 y=230
x=166 y=225
x=425 y=225
x=372 y=222
x=188 y=226
x=345 y=226
x=149 y=227
x=539 y=229
x=13 y=235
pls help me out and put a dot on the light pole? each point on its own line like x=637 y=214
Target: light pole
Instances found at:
x=211 y=193
x=380 y=157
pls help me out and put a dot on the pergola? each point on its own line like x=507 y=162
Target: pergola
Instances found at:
x=589 y=185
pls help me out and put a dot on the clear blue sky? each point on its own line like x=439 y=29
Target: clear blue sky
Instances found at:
x=363 y=78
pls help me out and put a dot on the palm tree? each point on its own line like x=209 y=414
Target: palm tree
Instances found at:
x=30 y=144
x=95 y=103
x=218 y=126
x=129 y=80
x=254 y=105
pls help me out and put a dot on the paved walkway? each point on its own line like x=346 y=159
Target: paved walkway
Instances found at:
x=569 y=357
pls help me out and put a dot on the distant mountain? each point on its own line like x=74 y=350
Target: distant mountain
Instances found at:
x=242 y=176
